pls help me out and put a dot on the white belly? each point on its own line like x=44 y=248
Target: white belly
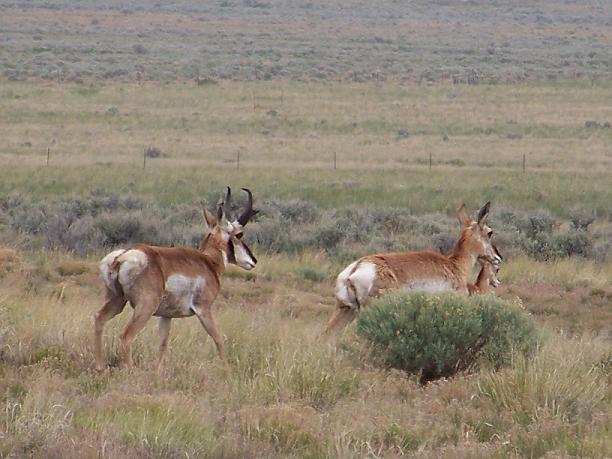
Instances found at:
x=428 y=285
x=181 y=295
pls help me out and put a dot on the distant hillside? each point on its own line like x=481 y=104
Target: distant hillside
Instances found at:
x=467 y=41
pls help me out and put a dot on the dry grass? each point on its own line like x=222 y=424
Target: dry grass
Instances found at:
x=360 y=122
x=283 y=393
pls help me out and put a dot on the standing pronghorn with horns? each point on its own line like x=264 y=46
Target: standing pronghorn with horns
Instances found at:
x=427 y=270
x=173 y=282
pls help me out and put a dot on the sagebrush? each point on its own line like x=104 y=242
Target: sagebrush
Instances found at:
x=438 y=336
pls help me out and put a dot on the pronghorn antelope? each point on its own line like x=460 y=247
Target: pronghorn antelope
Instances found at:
x=426 y=270
x=173 y=282
x=487 y=277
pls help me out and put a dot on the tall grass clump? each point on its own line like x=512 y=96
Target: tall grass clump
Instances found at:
x=157 y=430
x=438 y=336
x=558 y=401
x=565 y=380
x=274 y=363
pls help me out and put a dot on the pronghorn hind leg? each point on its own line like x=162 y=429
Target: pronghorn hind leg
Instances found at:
x=143 y=311
x=209 y=324
x=341 y=318
x=164 y=331
x=114 y=305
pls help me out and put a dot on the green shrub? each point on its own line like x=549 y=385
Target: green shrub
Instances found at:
x=544 y=247
x=437 y=336
x=120 y=229
x=312 y=274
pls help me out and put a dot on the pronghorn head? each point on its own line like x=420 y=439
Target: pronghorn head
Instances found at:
x=477 y=234
x=493 y=268
x=228 y=234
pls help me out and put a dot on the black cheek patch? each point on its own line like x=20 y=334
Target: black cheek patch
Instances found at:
x=231 y=254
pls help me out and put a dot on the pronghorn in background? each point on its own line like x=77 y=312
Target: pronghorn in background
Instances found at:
x=487 y=277
x=430 y=271
x=173 y=282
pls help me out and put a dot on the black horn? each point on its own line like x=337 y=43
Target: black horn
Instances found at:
x=227 y=203
x=484 y=211
x=248 y=212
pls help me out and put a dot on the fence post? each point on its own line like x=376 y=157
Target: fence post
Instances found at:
x=238 y=160
x=48 y=155
x=144 y=158
x=335 y=160
x=523 y=163
x=429 y=160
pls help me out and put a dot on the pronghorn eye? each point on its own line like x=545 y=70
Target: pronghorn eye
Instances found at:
x=490 y=233
x=239 y=235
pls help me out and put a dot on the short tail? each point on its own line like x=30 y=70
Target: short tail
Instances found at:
x=346 y=295
x=109 y=270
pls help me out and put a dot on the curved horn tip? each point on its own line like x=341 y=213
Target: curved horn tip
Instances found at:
x=484 y=209
x=248 y=213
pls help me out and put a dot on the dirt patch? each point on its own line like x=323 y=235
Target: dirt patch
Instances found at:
x=8 y=257
x=575 y=312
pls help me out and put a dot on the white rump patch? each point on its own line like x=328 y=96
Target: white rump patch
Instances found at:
x=343 y=295
x=133 y=263
x=181 y=291
x=363 y=280
x=429 y=285
x=108 y=275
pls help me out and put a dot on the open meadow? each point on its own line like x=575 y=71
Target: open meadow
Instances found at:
x=284 y=392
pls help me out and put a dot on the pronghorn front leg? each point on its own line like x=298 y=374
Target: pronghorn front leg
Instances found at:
x=208 y=322
x=164 y=331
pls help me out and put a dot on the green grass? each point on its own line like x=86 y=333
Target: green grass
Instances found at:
x=160 y=430
x=418 y=190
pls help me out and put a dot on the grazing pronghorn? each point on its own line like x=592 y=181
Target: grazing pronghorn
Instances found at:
x=487 y=277
x=173 y=282
x=426 y=270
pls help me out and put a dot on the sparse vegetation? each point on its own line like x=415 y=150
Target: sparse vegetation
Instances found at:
x=348 y=41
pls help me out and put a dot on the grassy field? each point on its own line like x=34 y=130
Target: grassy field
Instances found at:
x=284 y=392
x=287 y=135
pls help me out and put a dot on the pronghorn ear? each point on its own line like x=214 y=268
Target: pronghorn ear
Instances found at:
x=209 y=219
x=463 y=216
x=483 y=214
